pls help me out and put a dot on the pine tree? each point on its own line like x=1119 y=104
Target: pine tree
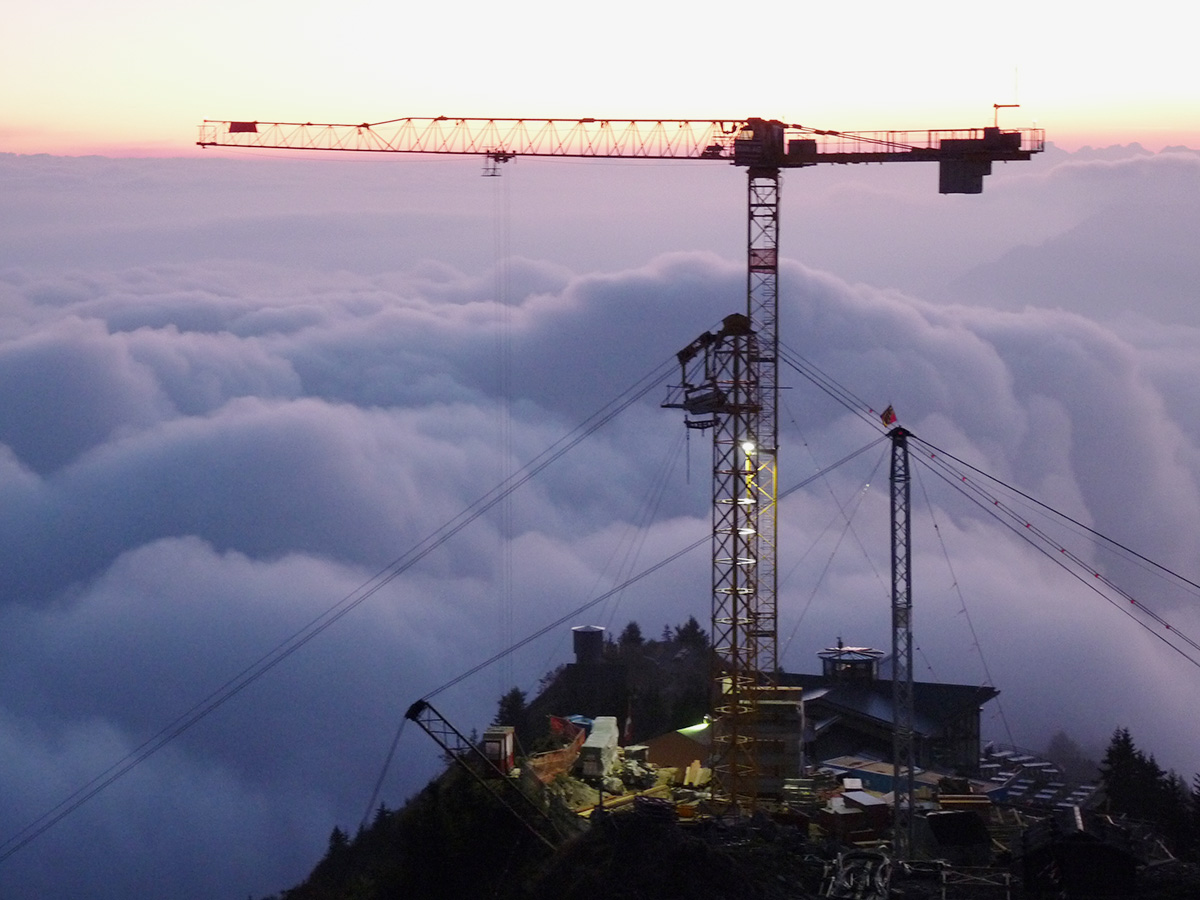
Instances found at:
x=338 y=841
x=1137 y=786
x=512 y=710
x=1174 y=814
x=1120 y=772
x=691 y=635
x=1192 y=851
x=631 y=638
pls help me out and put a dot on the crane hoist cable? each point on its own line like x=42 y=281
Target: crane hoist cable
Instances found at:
x=502 y=290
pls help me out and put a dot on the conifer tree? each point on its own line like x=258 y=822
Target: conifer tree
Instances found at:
x=1192 y=851
x=512 y=710
x=1120 y=772
x=631 y=638
x=691 y=635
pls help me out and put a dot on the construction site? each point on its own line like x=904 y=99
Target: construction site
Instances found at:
x=881 y=781
x=985 y=821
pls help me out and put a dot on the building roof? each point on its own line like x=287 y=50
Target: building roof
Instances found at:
x=851 y=654
x=933 y=704
x=679 y=749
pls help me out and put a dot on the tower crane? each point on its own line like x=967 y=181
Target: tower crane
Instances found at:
x=740 y=362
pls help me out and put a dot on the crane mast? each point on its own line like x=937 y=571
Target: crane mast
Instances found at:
x=903 y=752
x=762 y=307
x=721 y=389
x=737 y=394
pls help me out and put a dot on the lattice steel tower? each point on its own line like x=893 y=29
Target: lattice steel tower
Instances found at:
x=903 y=757
x=722 y=391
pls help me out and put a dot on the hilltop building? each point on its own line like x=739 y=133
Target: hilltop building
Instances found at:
x=848 y=712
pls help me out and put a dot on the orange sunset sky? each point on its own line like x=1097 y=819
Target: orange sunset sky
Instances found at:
x=133 y=77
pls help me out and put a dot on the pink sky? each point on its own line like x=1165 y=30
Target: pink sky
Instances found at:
x=134 y=78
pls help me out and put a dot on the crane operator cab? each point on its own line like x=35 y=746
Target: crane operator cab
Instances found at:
x=761 y=143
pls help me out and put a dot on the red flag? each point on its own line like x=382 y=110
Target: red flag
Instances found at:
x=888 y=416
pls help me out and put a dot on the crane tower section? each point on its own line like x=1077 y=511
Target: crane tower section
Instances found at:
x=722 y=391
x=903 y=751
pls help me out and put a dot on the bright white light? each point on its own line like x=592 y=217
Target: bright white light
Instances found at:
x=748 y=447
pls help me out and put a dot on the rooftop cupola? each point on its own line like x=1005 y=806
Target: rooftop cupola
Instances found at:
x=850 y=664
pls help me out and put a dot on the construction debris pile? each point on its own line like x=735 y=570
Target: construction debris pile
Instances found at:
x=1014 y=830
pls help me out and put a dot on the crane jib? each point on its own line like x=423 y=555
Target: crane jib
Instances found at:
x=965 y=153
